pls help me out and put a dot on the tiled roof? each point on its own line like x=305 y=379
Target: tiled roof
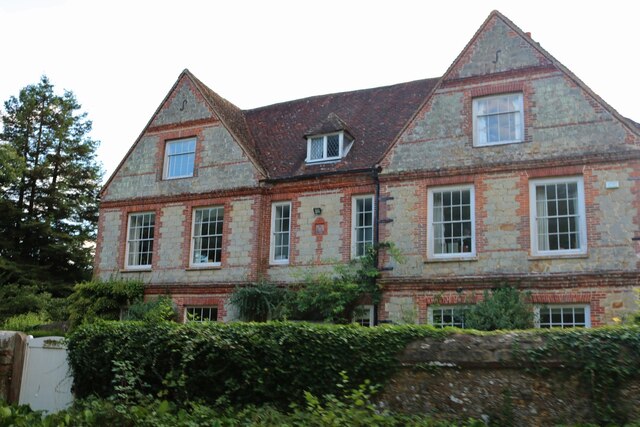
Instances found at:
x=374 y=117
x=232 y=117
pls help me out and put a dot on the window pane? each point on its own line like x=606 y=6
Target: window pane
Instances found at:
x=498 y=119
x=451 y=222
x=557 y=216
x=140 y=239
x=281 y=228
x=317 y=148
x=207 y=235
x=333 y=145
x=180 y=158
x=363 y=225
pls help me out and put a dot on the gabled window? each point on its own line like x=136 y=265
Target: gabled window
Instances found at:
x=281 y=232
x=206 y=247
x=451 y=221
x=563 y=316
x=333 y=146
x=558 y=223
x=140 y=240
x=200 y=314
x=362 y=225
x=179 y=158
x=498 y=119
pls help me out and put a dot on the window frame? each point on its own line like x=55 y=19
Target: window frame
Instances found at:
x=272 y=245
x=431 y=254
x=587 y=315
x=193 y=238
x=476 y=139
x=461 y=307
x=581 y=211
x=354 y=216
x=367 y=312
x=325 y=144
x=128 y=240
x=165 y=171
x=212 y=308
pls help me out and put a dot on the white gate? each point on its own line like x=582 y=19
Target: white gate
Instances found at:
x=46 y=380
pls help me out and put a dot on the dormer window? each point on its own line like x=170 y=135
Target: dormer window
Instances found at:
x=330 y=147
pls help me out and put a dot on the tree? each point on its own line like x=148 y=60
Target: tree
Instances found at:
x=48 y=211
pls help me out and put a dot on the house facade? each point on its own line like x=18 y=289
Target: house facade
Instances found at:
x=507 y=170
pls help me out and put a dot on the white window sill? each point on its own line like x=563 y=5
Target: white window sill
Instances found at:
x=278 y=264
x=203 y=267
x=452 y=259
x=541 y=257
x=323 y=161
x=136 y=270
x=492 y=144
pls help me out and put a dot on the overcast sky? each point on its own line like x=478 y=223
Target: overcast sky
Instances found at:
x=120 y=58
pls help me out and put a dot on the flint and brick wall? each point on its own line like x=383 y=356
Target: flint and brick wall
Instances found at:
x=466 y=376
x=568 y=132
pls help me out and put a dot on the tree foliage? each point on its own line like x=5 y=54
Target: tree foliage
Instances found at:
x=95 y=300
x=49 y=183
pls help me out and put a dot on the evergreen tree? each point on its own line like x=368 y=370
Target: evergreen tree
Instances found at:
x=49 y=189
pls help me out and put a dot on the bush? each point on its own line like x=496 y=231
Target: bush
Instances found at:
x=504 y=308
x=102 y=300
x=242 y=363
x=162 y=413
x=261 y=302
x=156 y=310
x=24 y=322
x=21 y=299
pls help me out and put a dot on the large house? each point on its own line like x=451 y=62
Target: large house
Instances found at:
x=507 y=170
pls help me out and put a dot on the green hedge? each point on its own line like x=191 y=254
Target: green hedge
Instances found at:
x=276 y=363
x=241 y=363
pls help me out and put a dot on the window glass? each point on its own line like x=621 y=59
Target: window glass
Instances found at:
x=451 y=221
x=281 y=226
x=201 y=314
x=558 y=218
x=140 y=239
x=207 y=235
x=180 y=158
x=558 y=316
x=363 y=225
x=498 y=119
x=441 y=317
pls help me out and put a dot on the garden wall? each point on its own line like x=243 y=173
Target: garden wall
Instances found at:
x=12 y=345
x=487 y=377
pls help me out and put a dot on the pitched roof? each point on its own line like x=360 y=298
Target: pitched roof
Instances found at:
x=372 y=116
x=232 y=117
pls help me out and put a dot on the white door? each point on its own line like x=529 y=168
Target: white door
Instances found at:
x=46 y=379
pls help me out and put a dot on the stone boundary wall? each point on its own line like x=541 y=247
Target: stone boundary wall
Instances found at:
x=467 y=376
x=12 y=348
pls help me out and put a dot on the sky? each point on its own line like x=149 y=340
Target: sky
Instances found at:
x=120 y=58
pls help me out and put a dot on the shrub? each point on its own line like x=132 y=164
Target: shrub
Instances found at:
x=242 y=363
x=335 y=297
x=504 y=308
x=24 y=322
x=102 y=300
x=156 y=310
x=20 y=299
x=261 y=302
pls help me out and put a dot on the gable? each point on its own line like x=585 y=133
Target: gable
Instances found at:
x=219 y=161
x=495 y=49
x=563 y=120
x=182 y=106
